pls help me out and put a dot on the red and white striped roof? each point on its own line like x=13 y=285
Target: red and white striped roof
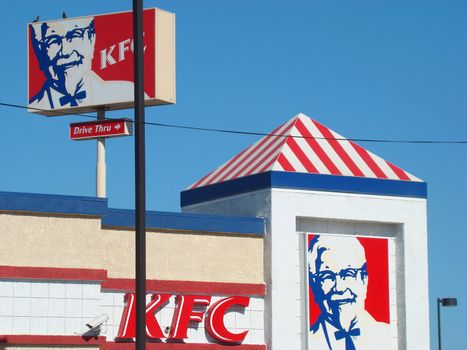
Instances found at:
x=303 y=145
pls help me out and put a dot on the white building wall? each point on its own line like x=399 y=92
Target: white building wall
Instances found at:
x=402 y=218
x=47 y=307
x=254 y=204
x=30 y=307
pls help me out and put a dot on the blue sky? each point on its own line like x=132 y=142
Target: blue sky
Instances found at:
x=367 y=69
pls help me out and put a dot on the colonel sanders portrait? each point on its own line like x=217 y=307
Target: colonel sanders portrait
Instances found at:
x=339 y=281
x=65 y=50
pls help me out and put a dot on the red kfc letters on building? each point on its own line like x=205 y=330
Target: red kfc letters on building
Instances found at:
x=184 y=313
x=215 y=320
x=128 y=324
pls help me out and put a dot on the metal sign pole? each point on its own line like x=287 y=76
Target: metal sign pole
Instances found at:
x=438 y=302
x=140 y=178
x=100 y=164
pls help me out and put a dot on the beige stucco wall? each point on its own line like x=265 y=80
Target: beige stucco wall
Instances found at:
x=80 y=242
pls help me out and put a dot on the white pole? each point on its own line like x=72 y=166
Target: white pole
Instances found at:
x=100 y=165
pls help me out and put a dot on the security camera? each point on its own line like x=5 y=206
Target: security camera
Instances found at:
x=98 y=321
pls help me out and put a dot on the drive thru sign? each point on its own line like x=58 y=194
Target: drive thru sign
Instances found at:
x=101 y=128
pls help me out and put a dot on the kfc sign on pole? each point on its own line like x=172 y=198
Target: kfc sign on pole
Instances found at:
x=101 y=128
x=80 y=64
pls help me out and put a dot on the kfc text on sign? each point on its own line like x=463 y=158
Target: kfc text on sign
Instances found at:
x=107 y=54
x=183 y=315
x=104 y=128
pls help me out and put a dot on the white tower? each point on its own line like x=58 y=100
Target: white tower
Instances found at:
x=311 y=180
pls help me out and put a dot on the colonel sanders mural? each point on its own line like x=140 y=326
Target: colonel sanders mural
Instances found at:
x=339 y=280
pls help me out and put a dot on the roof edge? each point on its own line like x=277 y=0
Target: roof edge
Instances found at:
x=304 y=181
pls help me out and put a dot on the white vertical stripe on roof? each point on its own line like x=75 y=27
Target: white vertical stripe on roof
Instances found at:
x=385 y=168
x=412 y=177
x=262 y=154
x=293 y=160
x=310 y=154
x=224 y=168
x=213 y=174
x=276 y=166
x=267 y=160
x=353 y=154
x=327 y=148
x=250 y=154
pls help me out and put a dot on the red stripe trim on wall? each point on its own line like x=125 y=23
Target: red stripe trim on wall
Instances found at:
x=123 y=284
x=51 y=339
x=70 y=274
x=182 y=346
x=104 y=345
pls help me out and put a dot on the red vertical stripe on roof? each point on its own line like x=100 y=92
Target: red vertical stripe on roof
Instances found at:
x=269 y=153
x=266 y=166
x=339 y=149
x=234 y=172
x=201 y=180
x=302 y=157
x=398 y=171
x=285 y=164
x=310 y=139
x=220 y=170
x=369 y=161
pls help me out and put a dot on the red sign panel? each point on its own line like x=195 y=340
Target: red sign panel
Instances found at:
x=79 y=64
x=101 y=128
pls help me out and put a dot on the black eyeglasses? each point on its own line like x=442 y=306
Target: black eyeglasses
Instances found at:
x=55 y=39
x=329 y=277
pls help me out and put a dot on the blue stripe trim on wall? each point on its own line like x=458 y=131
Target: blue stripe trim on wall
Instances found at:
x=50 y=203
x=315 y=182
x=186 y=221
x=92 y=206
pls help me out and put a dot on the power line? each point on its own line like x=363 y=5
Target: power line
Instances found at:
x=243 y=132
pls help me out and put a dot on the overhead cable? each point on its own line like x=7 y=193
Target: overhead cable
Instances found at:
x=243 y=132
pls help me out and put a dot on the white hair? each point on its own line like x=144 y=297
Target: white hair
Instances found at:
x=347 y=247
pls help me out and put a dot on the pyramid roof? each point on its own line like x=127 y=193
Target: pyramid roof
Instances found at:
x=303 y=145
